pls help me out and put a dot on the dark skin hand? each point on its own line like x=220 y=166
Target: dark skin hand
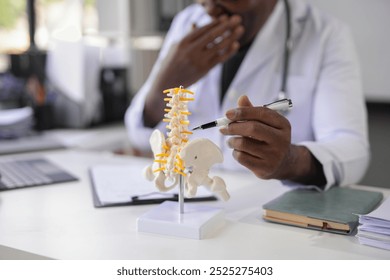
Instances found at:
x=261 y=141
x=183 y=65
x=236 y=21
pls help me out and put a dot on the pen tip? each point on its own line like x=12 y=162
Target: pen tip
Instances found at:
x=196 y=128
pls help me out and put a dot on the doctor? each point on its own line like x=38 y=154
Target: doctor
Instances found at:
x=237 y=56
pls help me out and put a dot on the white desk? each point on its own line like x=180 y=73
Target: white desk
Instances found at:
x=60 y=222
x=105 y=137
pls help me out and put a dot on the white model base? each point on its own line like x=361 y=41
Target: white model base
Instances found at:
x=197 y=221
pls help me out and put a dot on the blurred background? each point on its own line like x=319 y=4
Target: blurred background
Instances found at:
x=77 y=64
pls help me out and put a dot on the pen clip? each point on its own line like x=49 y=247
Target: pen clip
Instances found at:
x=280 y=105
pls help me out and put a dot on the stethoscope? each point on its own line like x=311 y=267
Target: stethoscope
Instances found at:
x=286 y=53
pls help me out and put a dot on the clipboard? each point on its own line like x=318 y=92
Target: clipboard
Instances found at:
x=124 y=184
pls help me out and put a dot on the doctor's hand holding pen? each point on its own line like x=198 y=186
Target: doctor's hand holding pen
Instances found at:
x=261 y=141
x=191 y=58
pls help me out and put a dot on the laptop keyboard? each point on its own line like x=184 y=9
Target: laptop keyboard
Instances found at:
x=31 y=172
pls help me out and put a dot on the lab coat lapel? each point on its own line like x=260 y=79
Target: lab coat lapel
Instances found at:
x=299 y=14
x=269 y=42
x=265 y=45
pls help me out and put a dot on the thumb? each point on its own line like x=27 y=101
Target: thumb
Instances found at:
x=243 y=101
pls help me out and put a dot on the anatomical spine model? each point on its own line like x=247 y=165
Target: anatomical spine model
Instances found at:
x=176 y=156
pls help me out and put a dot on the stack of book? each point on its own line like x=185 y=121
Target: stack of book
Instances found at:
x=374 y=228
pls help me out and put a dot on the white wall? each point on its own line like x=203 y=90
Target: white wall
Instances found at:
x=113 y=17
x=369 y=21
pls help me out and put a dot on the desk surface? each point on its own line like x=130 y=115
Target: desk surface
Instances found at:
x=60 y=222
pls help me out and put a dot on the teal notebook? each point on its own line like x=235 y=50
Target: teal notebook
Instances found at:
x=333 y=210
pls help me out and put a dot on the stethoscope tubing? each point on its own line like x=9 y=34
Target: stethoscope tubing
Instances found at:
x=286 y=52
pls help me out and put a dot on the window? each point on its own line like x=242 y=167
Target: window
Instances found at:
x=51 y=16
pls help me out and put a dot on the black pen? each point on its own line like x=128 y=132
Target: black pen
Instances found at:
x=280 y=105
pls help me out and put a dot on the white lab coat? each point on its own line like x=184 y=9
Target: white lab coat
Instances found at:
x=329 y=114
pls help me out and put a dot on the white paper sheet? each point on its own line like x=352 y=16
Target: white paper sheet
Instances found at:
x=120 y=183
x=374 y=228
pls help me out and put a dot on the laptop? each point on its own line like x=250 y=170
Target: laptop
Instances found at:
x=22 y=173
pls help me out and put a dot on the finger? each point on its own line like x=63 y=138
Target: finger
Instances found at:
x=219 y=47
x=257 y=165
x=262 y=114
x=227 y=40
x=228 y=36
x=243 y=101
x=207 y=49
x=200 y=31
x=247 y=145
x=252 y=129
x=222 y=57
x=224 y=28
